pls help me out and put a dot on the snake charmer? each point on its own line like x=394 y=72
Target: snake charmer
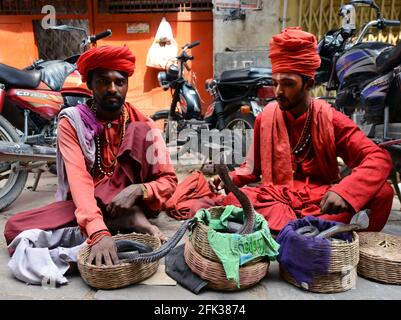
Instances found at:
x=296 y=142
x=106 y=183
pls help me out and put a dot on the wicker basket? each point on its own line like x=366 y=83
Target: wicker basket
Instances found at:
x=331 y=283
x=213 y=272
x=342 y=272
x=380 y=257
x=120 y=275
x=199 y=237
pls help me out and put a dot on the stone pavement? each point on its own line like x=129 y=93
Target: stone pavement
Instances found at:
x=272 y=287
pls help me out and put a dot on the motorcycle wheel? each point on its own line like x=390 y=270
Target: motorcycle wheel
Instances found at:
x=53 y=168
x=240 y=122
x=11 y=183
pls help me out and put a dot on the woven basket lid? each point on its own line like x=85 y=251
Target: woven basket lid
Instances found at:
x=380 y=246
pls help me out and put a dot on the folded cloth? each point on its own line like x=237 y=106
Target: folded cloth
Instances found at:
x=43 y=257
x=303 y=256
x=191 y=195
x=177 y=268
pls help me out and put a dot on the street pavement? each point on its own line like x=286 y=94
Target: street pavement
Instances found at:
x=272 y=287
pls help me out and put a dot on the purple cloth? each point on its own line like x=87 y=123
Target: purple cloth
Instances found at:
x=93 y=126
x=304 y=256
x=87 y=127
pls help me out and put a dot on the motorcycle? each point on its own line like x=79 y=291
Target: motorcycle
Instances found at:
x=238 y=97
x=30 y=100
x=366 y=77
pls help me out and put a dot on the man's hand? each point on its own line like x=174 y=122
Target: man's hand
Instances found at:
x=333 y=203
x=215 y=184
x=125 y=200
x=105 y=250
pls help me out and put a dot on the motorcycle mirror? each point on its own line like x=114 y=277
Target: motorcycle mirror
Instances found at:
x=64 y=27
x=366 y=2
x=370 y=3
x=347 y=12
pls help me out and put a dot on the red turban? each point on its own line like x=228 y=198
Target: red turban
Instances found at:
x=294 y=51
x=106 y=57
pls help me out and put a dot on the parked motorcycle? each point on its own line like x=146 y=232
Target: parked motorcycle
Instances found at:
x=238 y=97
x=366 y=77
x=30 y=101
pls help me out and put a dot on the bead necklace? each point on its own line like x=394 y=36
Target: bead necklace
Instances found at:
x=304 y=140
x=105 y=169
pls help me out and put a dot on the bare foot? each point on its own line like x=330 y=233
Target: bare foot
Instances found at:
x=142 y=224
x=134 y=221
x=157 y=233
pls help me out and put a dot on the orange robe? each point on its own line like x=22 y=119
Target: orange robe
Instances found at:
x=82 y=184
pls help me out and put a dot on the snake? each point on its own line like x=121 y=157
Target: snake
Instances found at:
x=142 y=253
x=249 y=212
x=359 y=221
x=127 y=247
x=312 y=231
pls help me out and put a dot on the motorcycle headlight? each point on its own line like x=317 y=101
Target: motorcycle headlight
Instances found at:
x=172 y=72
x=210 y=85
x=162 y=77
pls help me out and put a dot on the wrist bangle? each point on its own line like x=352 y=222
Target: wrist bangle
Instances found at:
x=97 y=236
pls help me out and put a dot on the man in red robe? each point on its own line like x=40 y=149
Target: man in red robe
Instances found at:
x=108 y=181
x=296 y=144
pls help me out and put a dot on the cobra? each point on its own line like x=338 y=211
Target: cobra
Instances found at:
x=249 y=212
x=359 y=221
x=141 y=253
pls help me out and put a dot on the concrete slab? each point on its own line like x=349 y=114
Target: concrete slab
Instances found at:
x=394 y=229
x=143 y=292
x=273 y=287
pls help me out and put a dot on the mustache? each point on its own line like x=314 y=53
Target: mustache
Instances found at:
x=281 y=99
x=116 y=96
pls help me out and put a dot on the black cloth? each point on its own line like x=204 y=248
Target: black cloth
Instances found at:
x=177 y=268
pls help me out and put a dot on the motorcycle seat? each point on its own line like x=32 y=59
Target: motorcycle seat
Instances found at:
x=54 y=73
x=388 y=59
x=15 y=78
x=245 y=74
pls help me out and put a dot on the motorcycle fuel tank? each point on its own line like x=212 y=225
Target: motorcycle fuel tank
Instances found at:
x=358 y=65
x=190 y=102
x=45 y=103
x=73 y=81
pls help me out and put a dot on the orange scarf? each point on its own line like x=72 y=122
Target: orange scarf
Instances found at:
x=276 y=150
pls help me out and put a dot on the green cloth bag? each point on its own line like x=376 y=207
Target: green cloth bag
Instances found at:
x=234 y=250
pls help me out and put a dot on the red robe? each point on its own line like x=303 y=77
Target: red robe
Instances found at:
x=284 y=195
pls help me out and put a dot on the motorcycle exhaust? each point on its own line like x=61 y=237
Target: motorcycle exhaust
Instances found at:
x=11 y=151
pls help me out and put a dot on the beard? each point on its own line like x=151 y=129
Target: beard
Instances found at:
x=111 y=103
x=287 y=104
